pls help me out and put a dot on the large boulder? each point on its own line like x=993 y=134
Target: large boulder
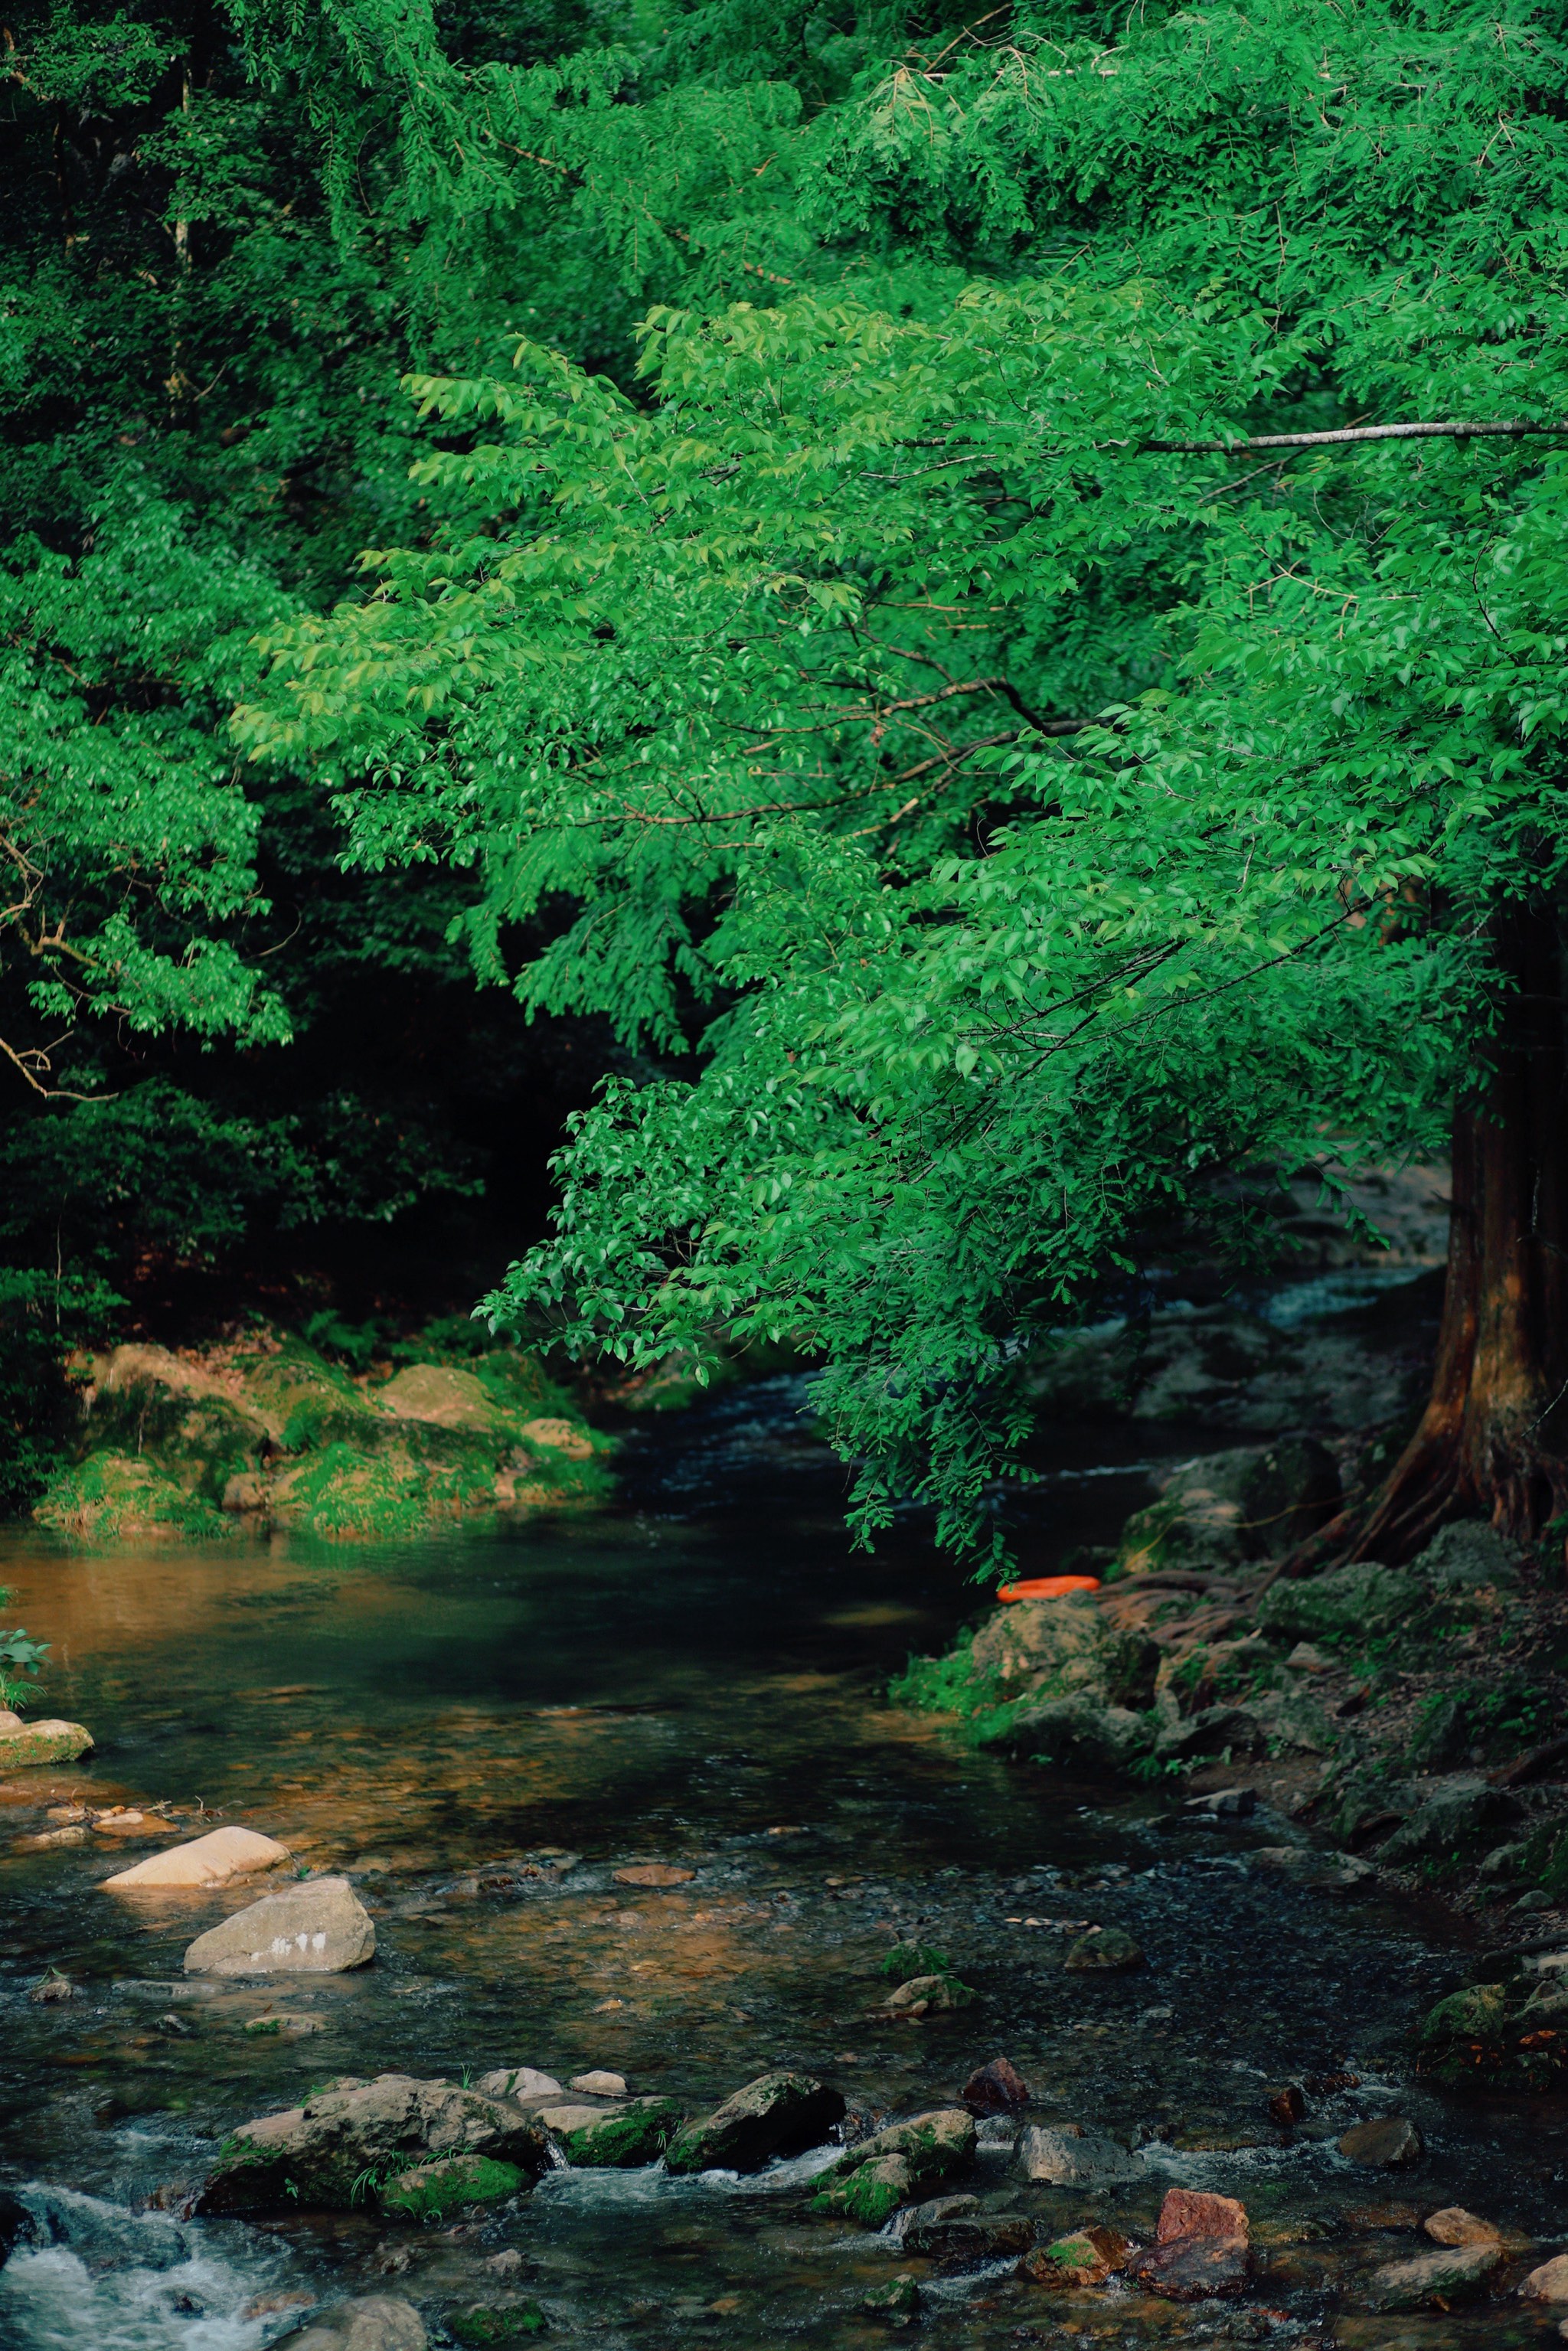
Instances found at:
x=1047 y=1650
x=778 y=2113
x=210 y=1860
x=317 y=1926
x=349 y=2141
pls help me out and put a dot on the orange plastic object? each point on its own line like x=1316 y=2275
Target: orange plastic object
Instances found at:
x=1047 y=1587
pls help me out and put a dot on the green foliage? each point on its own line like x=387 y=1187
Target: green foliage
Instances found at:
x=1026 y=820
x=951 y=1684
x=907 y=1959
x=21 y=1662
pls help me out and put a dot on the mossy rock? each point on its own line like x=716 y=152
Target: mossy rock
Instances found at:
x=117 y=1496
x=1508 y=2035
x=905 y=2159
x=306 y=1397
x=198 y=1439
x=431 y=2190
x=870 y=2195
x=44 y=1743
x=635 y=2134
x=488 y=2322
x=1361 y=1603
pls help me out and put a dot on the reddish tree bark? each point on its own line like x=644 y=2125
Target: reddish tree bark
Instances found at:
x=1493 y=1439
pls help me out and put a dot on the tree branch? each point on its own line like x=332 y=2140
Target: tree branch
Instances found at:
x=1481 y=428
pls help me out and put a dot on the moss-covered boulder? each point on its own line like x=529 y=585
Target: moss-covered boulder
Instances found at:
x=270 y=1431
x=906 y=2159
x=121 y=1498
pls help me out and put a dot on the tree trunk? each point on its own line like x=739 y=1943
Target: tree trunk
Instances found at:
x=1493 y=1440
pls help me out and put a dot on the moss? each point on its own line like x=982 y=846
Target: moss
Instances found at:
x=483 y=2323
x=869 y=2195
x=955 y=1685
x=115 y=1496
x=621 y=2142
x=430 y=2190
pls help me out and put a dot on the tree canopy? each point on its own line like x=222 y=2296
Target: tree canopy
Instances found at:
x=912 y=699
x=858 y=613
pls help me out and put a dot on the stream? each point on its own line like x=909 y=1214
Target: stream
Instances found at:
x=480 y=1731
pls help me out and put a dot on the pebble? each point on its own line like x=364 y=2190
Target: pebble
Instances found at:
x=653 y=1872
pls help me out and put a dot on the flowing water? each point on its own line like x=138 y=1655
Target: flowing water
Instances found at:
x=481 y=1730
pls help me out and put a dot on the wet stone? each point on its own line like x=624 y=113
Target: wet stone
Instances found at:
x=1085 y=2257
x=964 y=2239
x=316 y=1927
x=483 y=2323
x=874 y=2178
x=519 y=2081
x=1433 y=2281
x=898 y=2300
x=1070 y=2157
x=1549 y=2283
x=1386 y=2144
x=778 y=2113
x=620 y=2139
x=211 y=1860
x=923 y=1994
x=1196 y=2269
x=997 y=2088
x=1454 y=2226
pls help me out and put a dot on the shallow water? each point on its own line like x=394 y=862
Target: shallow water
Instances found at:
x=697 y=1677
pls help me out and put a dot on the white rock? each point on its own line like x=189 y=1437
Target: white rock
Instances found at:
x=521 y=2082
x=317 y=1926
x=210 y=1860
x=598 y=2085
